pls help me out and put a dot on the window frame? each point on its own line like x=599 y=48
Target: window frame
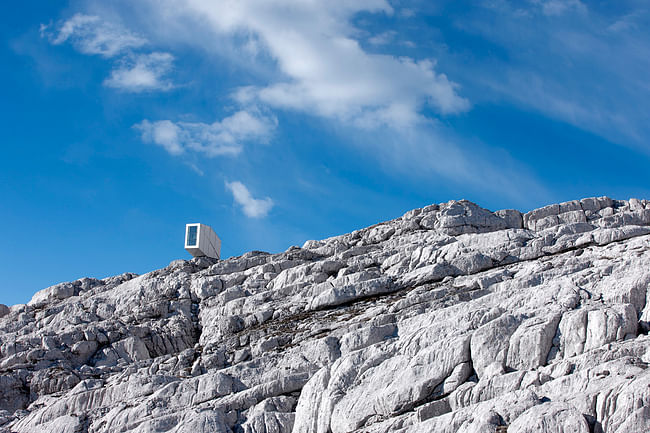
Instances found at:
x=196 y=235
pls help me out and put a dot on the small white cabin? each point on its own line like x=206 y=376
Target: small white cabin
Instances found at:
x=201 y=240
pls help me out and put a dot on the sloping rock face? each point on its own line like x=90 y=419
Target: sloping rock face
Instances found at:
x=449 y=319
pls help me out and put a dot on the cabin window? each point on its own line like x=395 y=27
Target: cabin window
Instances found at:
x=191 y=235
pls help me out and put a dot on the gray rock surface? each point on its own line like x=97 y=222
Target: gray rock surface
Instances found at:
x=449 y=319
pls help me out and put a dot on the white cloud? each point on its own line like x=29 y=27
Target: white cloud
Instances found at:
x=587 y=69
x=559 y=7
x=91 y=35
x=383 y=38
x=305 y=55
x=627 y=22
x=164 y=133
x=407 y=13
x=430 y=152
x=224 y=137
x=142 y=72
x=252 y=207
x=326 y=71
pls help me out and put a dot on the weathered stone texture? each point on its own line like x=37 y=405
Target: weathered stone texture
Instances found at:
x=450 y=318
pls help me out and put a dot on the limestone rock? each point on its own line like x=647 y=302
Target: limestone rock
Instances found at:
x=450 y=318
x=550 y=417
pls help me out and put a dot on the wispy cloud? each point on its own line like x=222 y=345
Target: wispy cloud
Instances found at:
x=308 y=40
x=223 y=137
x=559 y=7
x=383 y=38
x=133 y=72
x=314 y=63
x=252 y=207
x=321 y=69
x=143 y=72
x=631 y=21
x=91 y=35
x=164 y=133
x=582 y=66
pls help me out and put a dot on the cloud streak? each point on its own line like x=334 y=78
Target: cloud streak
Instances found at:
x=314 y=63
x=584 y=66
x=326 y=72
x=560 y=7
x=144 y=72
x=222 y=137
x=321 y=69
x=89 y=34
x=252 y=207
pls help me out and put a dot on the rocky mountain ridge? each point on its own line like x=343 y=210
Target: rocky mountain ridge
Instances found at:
x=450 y=318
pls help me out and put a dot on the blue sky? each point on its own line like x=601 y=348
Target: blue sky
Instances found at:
x=279 y=121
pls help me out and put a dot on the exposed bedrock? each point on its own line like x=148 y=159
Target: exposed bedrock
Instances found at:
x=450 y=318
